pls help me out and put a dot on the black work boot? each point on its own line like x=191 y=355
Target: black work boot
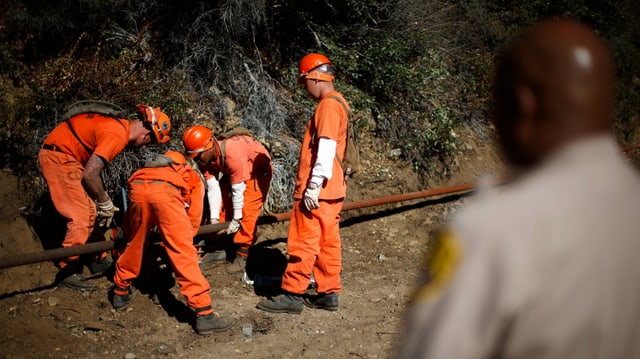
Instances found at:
x=323 y=301
x=73 y=279
x=283 y=303
x=121 y=302
x=209 y=323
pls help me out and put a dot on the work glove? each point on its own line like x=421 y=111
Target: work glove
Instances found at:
x=311 y=196
x=234 y=226
x=105 y=212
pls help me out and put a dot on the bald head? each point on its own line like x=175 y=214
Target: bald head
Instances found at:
x=553 y=85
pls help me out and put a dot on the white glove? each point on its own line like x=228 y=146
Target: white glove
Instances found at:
x=311 y=196
x=105 y=212
x=234 y=226
x=213 y=221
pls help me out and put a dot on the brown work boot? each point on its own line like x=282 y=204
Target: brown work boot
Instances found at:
x=209 y=323
x=238 y=265
x=283 y=303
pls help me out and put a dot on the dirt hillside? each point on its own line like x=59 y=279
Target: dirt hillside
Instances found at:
x=382 y=249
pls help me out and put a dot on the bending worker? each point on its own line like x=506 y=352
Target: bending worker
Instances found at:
x=169 y=194
x=545 y=266
x=72 y=158
x=313 y=241
x=247 y=164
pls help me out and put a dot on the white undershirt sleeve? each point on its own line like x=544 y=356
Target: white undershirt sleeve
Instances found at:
x=215 y=198
x=323 y=168
x=237 y=198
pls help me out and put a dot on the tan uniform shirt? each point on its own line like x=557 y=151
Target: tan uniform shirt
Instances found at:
x=545 y=267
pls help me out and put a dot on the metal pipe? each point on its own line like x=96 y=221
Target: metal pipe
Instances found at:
x=59 y=253
x=280 y=217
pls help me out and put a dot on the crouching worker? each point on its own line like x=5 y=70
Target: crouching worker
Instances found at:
x=169 y=194
x=247 y=165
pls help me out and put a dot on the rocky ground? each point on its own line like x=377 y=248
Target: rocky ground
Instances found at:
x=383 y=247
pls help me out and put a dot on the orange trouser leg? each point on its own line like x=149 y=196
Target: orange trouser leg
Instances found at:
x=64 y=175
x=314 y=244
x=254 y=197
x=162 y=205
x=329 y=262
x=137 y=223
x=178 y=241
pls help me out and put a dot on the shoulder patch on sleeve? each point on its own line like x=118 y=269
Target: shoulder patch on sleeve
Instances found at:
x=439 y=265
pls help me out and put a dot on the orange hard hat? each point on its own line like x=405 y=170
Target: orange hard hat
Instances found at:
x=158 y=121
x=197 y=139
x=316 y=67
x=177 y=157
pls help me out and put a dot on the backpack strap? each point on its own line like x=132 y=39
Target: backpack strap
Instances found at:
x=94 y=106
x=339 y=99
x=75 y=134
x=223 y=152
x=347 y=111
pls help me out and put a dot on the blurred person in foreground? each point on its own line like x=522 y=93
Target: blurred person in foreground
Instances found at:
x=546 y=266
x=72 y=158
x=242 y=165
x=313 y=242
x=167 y=193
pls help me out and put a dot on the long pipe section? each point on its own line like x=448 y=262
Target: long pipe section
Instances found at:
x=59 y=253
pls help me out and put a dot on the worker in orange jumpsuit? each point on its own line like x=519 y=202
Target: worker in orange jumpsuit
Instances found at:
x=169 y=194
x=313 y=241
x=72 y=157
x=247 y=165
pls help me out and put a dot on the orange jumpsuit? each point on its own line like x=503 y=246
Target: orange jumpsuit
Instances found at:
x=171 y=198
x=313 y=241
x=245 y=160
x=62 y=160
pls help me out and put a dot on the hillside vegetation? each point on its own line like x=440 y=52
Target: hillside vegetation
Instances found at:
x=415 y=71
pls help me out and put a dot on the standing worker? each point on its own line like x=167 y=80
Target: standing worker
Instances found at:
x=169 y=194
x=545 y=266
x=313 y=241
x=247 y=165
x=72 y=158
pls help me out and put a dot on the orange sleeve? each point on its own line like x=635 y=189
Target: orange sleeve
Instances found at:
x=327 y=119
